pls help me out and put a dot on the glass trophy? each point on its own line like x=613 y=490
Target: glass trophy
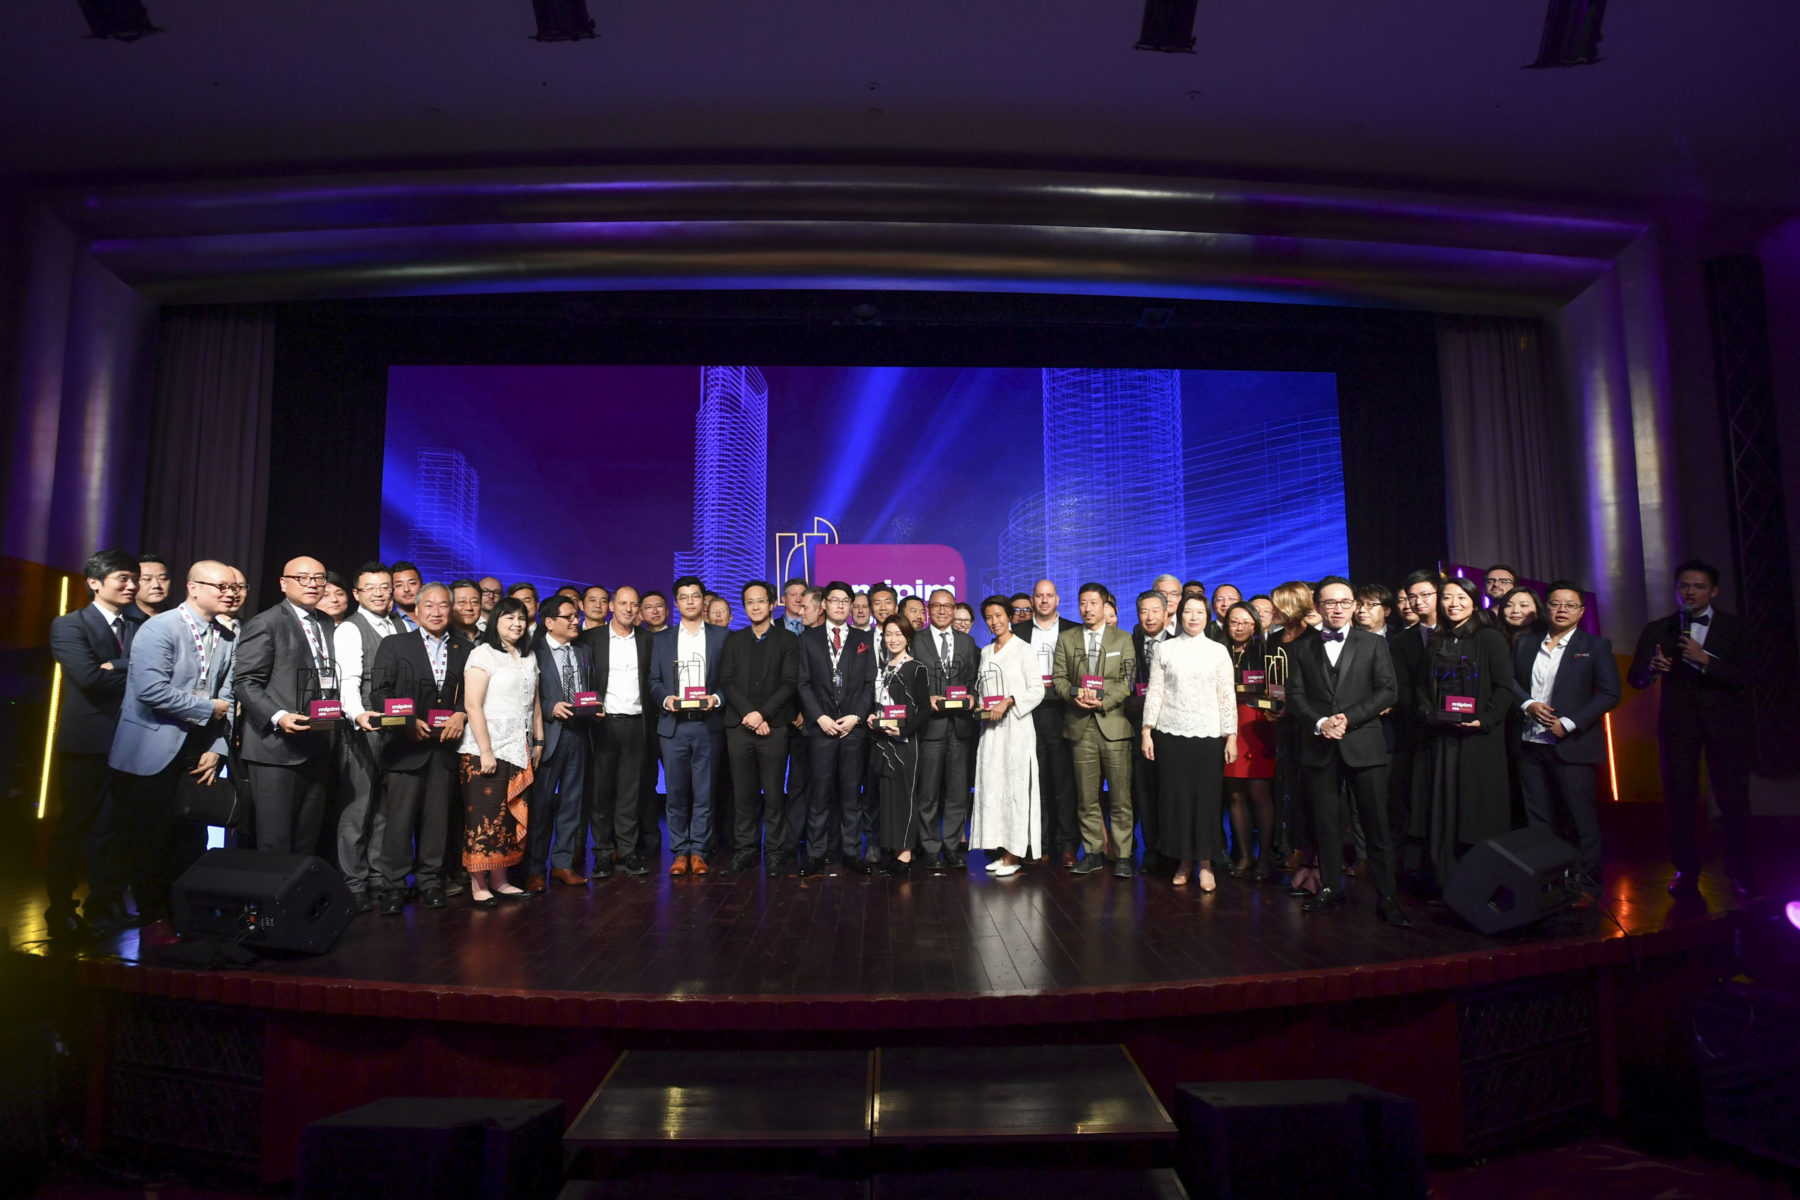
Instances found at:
x=327 y=707
x=1275 y=673
x=956 y=696
x=992 y=687
x=587 y=704
x=1456 y=686
x=1047 y=662
x=691 y=675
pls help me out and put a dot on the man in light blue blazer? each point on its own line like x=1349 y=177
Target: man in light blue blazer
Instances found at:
x=174 y=722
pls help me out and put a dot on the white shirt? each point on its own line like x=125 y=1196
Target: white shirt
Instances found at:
x=347 y=641
x=622 y=698
x=1697 y=633
x=689 y=647
x=1543 y=681
x=1191 y=693
x=1043 y=644
x=1333 y=648
x=320 y=651
x=563 y=654
x=843 y=636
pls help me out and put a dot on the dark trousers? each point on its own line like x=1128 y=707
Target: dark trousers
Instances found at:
x=1546 y=781
x=558 y=806
x=1144 y=797
x=944 y=791
x=836 y=766
x=650 y=801
x=1056 y=779
x=615 y=785
x=799 y=791
x=289 y=803
x=1726 y=746
x=154 y=844
x=358 y=822
x=1369 y=796
x=688 y=761
x=757 y=764
x=82 y=784
x=415 y=801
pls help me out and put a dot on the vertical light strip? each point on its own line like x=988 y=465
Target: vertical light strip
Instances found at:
x=62 y=606
x=1612 y=764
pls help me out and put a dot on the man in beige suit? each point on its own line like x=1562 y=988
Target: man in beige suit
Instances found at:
x=1096 y=725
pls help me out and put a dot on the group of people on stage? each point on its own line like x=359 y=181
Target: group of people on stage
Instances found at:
x=429 y=737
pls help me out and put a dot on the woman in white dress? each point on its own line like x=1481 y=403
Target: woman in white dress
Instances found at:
x=500 y=746
x=1007 y=801
x=1190 y=733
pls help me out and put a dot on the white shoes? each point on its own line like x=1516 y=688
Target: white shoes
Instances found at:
x=994 y=864
x=1005 y=869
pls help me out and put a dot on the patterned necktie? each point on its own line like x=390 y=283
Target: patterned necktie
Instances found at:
x=944 y=648
x=568 y=673
x=837 y=645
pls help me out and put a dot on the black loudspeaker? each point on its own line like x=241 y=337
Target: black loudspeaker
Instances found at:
x=1300 y=1139
x=434 y=1149
x=1747 y=1055
x=273 y=901
x=1511 y=881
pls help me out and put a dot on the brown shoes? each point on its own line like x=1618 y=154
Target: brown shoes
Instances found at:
x=572 y=878
x=1068 y=858
x=679 y=866
x=697 y=865
x=534 y=884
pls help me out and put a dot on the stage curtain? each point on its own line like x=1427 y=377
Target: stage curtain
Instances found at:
x=209 y=447
x=1507 y=449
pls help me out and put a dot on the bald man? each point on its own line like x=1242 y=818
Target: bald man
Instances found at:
x=285 y=662
x=1056 y=767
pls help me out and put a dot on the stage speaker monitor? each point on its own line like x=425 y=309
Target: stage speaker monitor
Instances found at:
x=1298 y=1140
x=1511 y=881
x=270 y=901
x=434 y=1148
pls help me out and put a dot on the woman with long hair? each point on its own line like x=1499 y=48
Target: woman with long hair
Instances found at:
x=500 y=748
x=902 y=683
x=1521 y=613
x=1250 y=781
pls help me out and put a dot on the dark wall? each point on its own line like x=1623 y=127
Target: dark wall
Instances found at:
x=331 y=363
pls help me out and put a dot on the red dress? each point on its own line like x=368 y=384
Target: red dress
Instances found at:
x=1256 y=745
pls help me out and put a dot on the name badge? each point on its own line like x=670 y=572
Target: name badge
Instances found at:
x=1140 y=690
x=325 y=710
x=437 y=718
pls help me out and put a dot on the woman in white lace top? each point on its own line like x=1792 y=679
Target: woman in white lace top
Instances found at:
x=500 y=747
x=1190 y=733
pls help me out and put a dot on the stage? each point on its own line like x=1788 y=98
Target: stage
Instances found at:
x=1495 y=1037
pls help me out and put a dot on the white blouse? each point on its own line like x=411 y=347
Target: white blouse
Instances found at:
x=512 y=684
x=1191 y=692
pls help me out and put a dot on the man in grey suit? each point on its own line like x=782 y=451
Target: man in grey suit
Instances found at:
x=947 y=746
x=285 y=661
x=175 y=721
x=355 y=642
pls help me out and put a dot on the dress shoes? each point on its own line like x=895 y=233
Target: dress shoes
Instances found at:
x=534 y=884
x=894 y=868
x=362 y=901
x=603 y=868
x=697 y=865
x=1388 y=909
x=488 y=901
x=1685 y=883
x=1122 y=869
x=955 y=860
x=804 y=867
x=743 y=860
x=775 y=866
x=432 y=897
x=392 y=901
x=569 y=876
x=633 y=864
x=1152 y=861
x=679 y=866
x=861 y=866
x=1088 y=865
x=1068 y=858
x=1328 y=897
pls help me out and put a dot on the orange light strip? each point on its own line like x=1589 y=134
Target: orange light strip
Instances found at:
x=62 y=606
x=1612 y=763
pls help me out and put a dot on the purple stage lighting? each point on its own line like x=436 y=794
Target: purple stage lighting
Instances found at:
x=1793 y=913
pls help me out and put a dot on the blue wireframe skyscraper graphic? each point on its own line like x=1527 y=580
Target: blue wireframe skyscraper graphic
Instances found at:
x=1113 y=505
x=731 y=481
x=446 y=514
x=1021 y=557
x=1268 y=504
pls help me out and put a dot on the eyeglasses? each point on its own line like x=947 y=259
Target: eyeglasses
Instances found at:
x=1337 y=604
x=375 y=590
x=224 y=589
x=494 y=592
x=306 y=580
x=1564 y=606
x=1418 y=596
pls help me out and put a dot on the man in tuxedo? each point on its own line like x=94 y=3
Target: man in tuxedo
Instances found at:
x=621 y=654
x=153 y=585
x=837 y=694
x=1338 y=686
x=760 y=677
x=559 y=797
x=947 y=743
x=407 y=582
x=1096 y=728
x=688 y=657
x=92 y=645
x=285 y=661
x=355 y=641
x=418 y=759
x=1154 y=628
x=174 y=723
x=1056 y=769
x=1706 y=660
x=1566 y=681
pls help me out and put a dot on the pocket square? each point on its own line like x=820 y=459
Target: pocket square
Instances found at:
x=862 y=647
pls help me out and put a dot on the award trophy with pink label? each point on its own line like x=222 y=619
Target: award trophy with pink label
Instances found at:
x=692 y=697
x=1456 y=687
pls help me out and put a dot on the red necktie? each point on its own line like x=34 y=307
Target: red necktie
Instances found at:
x=837 y=644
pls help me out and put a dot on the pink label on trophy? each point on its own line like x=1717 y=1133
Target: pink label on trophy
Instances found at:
x=397 y=708
x=587 y=699
x=1140 y=689
x=693 y=693
x=1459 y=704
x=437 y=718
x=1277 y=691
x=1049 y=680
x=1093 y=683
x=325 y=710
x=956 y=692
x=991 y=701
x=894 y=712
x=1253 y=678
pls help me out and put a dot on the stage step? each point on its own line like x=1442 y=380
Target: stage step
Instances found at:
x=1071 y=1183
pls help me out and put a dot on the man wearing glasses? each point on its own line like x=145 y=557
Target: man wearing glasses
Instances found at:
x=559 y=799
x=490 y=596
x=356 y=639
x=947 y=747
x=1566 y=681
x=285 y=661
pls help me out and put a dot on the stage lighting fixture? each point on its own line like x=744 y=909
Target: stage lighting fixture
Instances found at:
x=562 y=20
x=120 y=20
x=1168 y=26
x=1766 y=942
x=1571 y=34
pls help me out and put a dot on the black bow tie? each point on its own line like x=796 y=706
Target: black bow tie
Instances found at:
x=1703 y=619
x=1332 y=635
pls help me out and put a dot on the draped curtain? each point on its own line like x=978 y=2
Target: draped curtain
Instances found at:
x=208 y=484
x=1508 y=449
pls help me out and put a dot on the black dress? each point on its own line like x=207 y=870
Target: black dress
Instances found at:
x=1468 y=798
x=897 y=758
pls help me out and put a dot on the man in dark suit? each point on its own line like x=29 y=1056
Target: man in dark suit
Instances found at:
x=837 y=694
x=418 y=760
x=1338 y=686
x=1707 y=661
x=1153 y=629
x=759 y=678
x=1375 y=611
x=1566 y=681
x=621 y=654
x=685 y=662
x=1056 y=764
x=559 y=798
x=947 y=744
x=285 y=661
x=92 y=645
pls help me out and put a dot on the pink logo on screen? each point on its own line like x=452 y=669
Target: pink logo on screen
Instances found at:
x=913 y=570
